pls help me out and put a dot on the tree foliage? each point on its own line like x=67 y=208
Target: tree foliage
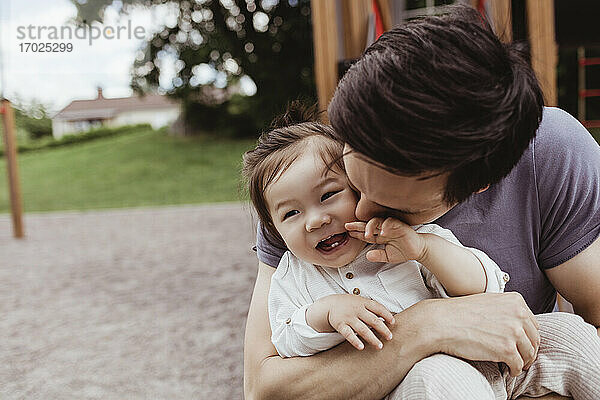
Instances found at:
x=267 y=40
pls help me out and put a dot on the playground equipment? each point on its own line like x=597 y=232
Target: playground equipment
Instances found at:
x=341 y=30
x=583 y=92
x=10 y=152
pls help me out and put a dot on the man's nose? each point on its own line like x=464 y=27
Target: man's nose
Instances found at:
x=365 y=209
x=317 y=220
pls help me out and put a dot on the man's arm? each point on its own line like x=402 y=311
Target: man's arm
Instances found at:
x=578 y=281
x=495 y=327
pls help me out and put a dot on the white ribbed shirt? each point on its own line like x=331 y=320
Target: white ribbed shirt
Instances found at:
x=297 y=284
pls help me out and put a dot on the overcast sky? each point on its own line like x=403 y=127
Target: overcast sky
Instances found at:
x=58 y=78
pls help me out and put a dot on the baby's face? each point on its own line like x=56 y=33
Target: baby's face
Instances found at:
x=309 y=209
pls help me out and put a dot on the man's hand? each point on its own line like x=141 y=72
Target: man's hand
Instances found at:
x=487 y=327
x=351 y=315
x=401 y=242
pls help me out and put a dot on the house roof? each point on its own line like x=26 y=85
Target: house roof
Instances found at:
x=103 y=108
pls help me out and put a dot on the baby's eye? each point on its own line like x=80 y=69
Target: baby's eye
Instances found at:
x=328 y=195
x=290 y=214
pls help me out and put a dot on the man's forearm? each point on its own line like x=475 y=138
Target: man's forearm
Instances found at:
x=339 y=373
x=342 y=372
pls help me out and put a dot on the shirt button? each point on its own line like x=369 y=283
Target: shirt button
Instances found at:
x=356 y=291
x=349 y=275
x=505 y=277
x=288 y=321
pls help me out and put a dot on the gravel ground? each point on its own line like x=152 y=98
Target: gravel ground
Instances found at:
x=126 y=304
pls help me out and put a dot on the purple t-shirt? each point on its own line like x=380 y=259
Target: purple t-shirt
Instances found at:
x=543 y=213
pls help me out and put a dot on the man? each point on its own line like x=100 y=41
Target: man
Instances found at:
x=439 y=121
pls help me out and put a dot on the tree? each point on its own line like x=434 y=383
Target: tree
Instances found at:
x=267 y=40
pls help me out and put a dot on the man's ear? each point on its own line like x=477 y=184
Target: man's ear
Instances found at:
x=483 y=189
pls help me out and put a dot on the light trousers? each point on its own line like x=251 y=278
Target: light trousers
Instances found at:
x=568 y=363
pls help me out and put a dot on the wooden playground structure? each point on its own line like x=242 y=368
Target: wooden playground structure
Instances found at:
x=340 y=31
x=10 y=151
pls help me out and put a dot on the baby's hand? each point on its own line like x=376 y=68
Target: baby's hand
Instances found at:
x=352 y=315
x=401 y=242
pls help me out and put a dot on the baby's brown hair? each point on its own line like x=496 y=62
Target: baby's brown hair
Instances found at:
x=288 y=137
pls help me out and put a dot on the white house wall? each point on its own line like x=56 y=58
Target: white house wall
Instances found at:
x=58 y=128
x=156 y=118
x=61 y=127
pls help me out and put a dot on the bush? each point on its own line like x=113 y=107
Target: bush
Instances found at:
x=231 y=118
x=37 y=127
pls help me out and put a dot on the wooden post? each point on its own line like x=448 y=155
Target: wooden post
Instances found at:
x=499 y=16
x=355 y=15
x=10 y=152
x=324 y=23
x=386 y=13
x=502 y=19
x=544 y=57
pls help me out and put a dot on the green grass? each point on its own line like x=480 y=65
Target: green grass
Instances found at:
x=144 y=168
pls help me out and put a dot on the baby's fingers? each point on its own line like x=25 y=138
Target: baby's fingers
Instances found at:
x=355 y=226
x=394 y=228
x=377 y=255
x=376 y=323
x=357 y=235
x=350 y=336
x=373 y=228
x=379 y=310
x=363 y=330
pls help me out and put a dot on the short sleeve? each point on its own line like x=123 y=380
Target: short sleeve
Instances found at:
x=567 y=173
x=267 y=252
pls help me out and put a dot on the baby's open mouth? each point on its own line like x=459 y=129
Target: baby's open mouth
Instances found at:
x=333 y=241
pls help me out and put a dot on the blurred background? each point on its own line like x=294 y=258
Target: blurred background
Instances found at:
x=135 y=271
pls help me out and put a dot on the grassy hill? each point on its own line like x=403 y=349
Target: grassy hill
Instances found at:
x=143 y=168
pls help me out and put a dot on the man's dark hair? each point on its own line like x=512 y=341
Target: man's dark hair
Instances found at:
x=440 y=94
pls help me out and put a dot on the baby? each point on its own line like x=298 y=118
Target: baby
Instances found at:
x=333 y=286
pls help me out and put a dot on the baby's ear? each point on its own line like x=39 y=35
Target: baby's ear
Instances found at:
x=296 y=112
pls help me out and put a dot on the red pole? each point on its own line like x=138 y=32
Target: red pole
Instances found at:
x=379 y=30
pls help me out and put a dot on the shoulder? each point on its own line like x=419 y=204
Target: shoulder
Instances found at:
x=564 y=152
x=291 y=267
x=560 y=135
x=565 y=157
x=567 y=174
x=266 y=251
